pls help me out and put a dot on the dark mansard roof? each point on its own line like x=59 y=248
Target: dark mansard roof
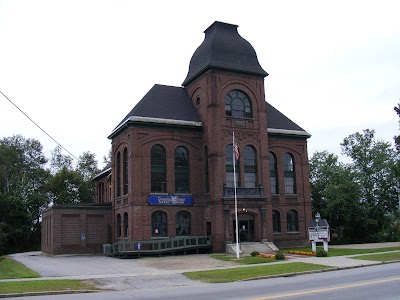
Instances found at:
x=223 y=48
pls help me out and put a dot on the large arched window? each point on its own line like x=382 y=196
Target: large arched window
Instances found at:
x=118 y=226
x=292 y=218
x=182 y=223
x=273 y=173
x=276 y=221
x=237 y=105
x=229 y=175
x=290 y=180
x=118 y=183
x=159 y=224
x=250 y=167
x=125 y=172
x=126 y=225
x=158 y=169
x=181 y=170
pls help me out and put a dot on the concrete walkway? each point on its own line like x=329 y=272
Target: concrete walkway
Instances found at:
x=153 y=272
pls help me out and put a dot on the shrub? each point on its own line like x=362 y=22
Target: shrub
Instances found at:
x=279 y=255
x=321 y=253
x=255 y=253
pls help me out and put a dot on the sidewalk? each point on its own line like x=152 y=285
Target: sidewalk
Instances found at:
x=154 y=272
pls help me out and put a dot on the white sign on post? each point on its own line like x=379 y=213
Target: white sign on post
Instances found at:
x=319 y=234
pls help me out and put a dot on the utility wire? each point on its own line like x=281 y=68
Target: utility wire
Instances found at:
x=37 y=125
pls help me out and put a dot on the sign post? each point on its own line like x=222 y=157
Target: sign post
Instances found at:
x=319 y=232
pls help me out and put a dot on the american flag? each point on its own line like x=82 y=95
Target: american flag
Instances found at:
x=235 y=148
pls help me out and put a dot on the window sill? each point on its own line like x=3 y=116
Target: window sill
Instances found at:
x=277 y=233
x=293 y=232
x=160 y=237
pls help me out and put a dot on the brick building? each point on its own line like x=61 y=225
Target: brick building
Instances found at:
x=172 y=163
x=172 y=171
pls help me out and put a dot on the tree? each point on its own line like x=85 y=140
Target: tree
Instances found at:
x=335 y=195
x=22 y=192
x=69 y=185
x=397 y=137
x=59 y=161
x=373 y=164
x=360 y=197
x=107 y=159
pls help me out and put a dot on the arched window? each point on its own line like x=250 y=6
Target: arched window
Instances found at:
x=206 y=179
x=118 y=226
x=250 y=167
x=237 y=105
x=273 y=173
x=229 y=175
x=159 y=224
x=276 y=221
x=125 y=172
x=181 y=170
x=126 y=225
x=290 y=182
x=182 y=223
x=292 y=219
x=118 y=174
x=158 y=169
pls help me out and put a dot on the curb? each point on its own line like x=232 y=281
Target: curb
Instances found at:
x=28 y=294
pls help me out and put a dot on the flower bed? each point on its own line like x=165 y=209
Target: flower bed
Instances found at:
x=266 y=255
x=309 y=253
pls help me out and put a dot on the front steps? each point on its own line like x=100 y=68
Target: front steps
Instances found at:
x=247 y=247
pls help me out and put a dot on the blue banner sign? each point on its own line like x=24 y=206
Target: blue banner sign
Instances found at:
x=170 y=200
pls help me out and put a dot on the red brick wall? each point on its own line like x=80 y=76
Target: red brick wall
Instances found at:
x=76 y=229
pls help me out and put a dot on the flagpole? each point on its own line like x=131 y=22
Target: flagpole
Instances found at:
x=234 y=180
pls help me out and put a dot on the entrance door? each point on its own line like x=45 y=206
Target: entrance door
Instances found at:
x=246 y=228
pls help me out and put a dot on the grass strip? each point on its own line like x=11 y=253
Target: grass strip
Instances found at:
x=10 y=269
x=342 y=251
x=380 y=257
x=243 y=273
x=11 y=287
x=243 y=260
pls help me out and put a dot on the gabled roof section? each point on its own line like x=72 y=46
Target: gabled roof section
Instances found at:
x=163 y=104
x=105 y=172
x=223 y=48
x=278 y=123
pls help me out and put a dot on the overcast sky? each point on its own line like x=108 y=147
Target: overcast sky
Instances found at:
x=78 y=67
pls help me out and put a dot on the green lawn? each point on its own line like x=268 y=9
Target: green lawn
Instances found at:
x=244 y=260
x=10 y=269
x=44 y=286
x=341 y=252
x=243 y=273
x=380 y=257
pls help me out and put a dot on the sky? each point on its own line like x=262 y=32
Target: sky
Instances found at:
x=77 y=67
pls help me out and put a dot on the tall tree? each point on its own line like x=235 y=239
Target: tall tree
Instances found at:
x=335 y=195
x=373 y=163
x=70 y=185
x=397 y=137
x=22 y=191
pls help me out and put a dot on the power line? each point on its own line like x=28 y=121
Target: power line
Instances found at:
x=37 y=125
